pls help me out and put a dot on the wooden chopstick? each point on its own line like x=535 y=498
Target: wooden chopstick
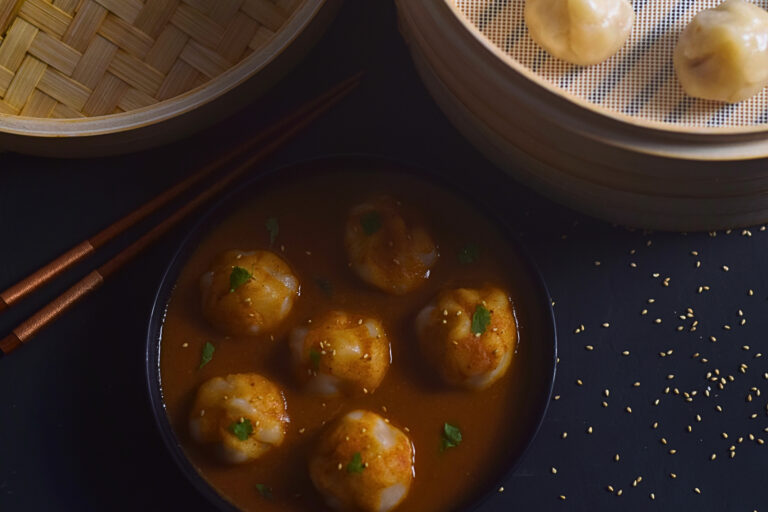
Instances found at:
x=84 y=249
x=29 y=328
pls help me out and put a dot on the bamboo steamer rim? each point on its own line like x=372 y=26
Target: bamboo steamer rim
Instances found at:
x=524 y=71
x=172 y=107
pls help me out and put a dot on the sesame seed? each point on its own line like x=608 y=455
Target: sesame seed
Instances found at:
x=501 y=489
x=653 y=496
x=579 y=382
x=628 y=409
x=589 y=347
x=697 y=490
x=725 y=268
x=589 y=430
x=606 y=324
x=616 y=457
x=564 y=435
x=553 y=470
x=562 y=497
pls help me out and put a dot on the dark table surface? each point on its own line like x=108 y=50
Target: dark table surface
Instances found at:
x=76 y=431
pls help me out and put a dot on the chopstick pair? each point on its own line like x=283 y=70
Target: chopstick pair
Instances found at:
x=252 y=151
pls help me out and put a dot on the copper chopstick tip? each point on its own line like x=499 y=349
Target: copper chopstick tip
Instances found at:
x=9 y=344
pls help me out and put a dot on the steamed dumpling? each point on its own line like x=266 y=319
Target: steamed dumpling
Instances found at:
x=387 y=249
x=363 y=463
x=241 y=416
x=582 y=32
x=722 y=54
x=341 y=353
x=468 y=335
x=248 y=292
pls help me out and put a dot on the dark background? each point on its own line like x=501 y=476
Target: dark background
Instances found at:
x=76 y=432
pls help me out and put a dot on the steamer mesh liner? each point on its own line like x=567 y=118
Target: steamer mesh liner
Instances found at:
x=639 y=81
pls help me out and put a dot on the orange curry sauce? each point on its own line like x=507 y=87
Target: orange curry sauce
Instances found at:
x=312 y=211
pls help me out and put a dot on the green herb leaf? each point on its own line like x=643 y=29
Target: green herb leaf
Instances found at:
x=264 y=490
x=371 y=222
x=356 y=464
x=207 y=355
x=469 y=254
x=451 y=437
x=273 y=227
x=314 y=357
x=241 y=429
x=481 y=318
x=324 y=285
x=238 y=278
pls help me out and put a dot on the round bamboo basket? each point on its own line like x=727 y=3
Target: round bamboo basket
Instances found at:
x=619 y=141
x=96 y=77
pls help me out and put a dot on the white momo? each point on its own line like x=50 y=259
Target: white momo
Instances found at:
x=583 y=32
x=722 y=54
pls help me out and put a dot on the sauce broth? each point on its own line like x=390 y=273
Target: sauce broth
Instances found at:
x=496 y=423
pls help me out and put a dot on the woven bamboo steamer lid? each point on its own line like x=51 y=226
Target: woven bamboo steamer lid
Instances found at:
x=95 y=77
x=669 y=162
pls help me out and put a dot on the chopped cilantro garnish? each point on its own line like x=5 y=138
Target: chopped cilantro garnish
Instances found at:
x=356 y=464
x=241 y=429
x=451 y=437
x=469 y=254
x=324 y=285
x=480 y=319
x=207 y=354
x=314 y=357
x=238 y=278
x=273 y=227
x=264 y=490
x=371 y=222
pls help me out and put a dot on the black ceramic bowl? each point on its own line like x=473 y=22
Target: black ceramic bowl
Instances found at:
x=546 y=336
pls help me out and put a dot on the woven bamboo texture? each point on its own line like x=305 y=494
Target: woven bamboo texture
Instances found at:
x=83 y=58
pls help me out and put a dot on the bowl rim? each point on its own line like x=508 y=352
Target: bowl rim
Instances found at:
x=165 y=110
x=222 y=207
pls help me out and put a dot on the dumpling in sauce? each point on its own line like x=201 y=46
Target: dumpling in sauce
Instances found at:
x=248 y=292
x=583 y=32
x=341 y=353
x=242 y=416
x=363 y=463
x=468 y=335
x=722 y=54
x=387 y=251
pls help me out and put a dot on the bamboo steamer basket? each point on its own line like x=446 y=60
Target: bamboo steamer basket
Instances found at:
x=620 y=141
x=97 y=77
